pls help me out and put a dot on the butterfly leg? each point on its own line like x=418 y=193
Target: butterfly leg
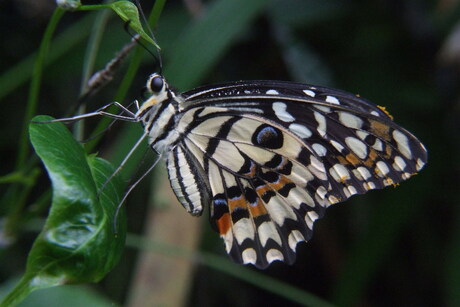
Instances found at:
x=125 y=159
x=131 y=188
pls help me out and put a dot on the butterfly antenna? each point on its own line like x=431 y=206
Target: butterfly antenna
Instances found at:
x=120 y=204
x=144 y=19
x=139 y=42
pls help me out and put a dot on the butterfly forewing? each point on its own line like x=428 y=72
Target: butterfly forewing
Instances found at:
x=268 y=157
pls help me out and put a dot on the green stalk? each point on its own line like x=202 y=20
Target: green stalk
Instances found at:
x=34 y=91
x=92 y=48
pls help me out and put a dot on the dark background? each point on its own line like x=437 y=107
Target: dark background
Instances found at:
x=389 y=247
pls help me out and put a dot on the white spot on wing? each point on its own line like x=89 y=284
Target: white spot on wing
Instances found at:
x=352 y=190
x=319 y=149
x=272 y=92
x=362 y=134
x=228 y=239
x=321 y=123
x=332 y=99
x=297 y=196
x=309 y=93
x=357 y=146
x=339 y=172
x=403 y=143
x=249 y=256
x=399 y=163
x=383 y=168
x=350 y=120
x=336 y=145
x=317 y=168
x=310 y=218
x=308 y=221
x=333 y=200
x=420 y=164
x=281 y=113
x=273 y=255
x=370 y=186
x=313 y=216
x=267 y=231
x=321 y=192
x=243 y=229
x=378 y=145
x=295 y=237
x=364 y=172
x=300 y=130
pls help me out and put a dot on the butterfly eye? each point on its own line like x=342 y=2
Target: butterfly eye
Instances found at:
x=156 y=84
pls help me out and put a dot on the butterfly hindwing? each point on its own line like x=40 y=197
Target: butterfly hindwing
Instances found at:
x=265 y=196
x=355 y=131
x=187 y=179
x=260 y=213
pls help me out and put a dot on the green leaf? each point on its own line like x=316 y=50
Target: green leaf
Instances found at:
x=77 y=243
x=128 y=12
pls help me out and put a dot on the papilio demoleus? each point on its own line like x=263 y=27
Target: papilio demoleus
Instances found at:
x=268 y=157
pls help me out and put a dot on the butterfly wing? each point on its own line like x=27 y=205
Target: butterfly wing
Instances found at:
x=269 y=157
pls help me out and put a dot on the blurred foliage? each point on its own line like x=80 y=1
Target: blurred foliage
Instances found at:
x=77 y=243
x=389 y=247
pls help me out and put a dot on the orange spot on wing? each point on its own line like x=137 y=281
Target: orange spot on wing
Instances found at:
x=224 y=223
x=258 y=209
x=343 y=160
x=237 y=203
x=379 y=129
x=262 y=190
x=280 y=184
x=371 y=157
x=352 y=158
x=273 y=186
x=388 y=151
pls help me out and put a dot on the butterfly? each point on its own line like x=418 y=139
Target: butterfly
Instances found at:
x=268 y=157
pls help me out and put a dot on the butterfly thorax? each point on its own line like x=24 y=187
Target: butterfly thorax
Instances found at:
x=159 y=115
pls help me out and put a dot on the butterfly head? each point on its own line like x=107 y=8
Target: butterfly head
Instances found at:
x=157 y=91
